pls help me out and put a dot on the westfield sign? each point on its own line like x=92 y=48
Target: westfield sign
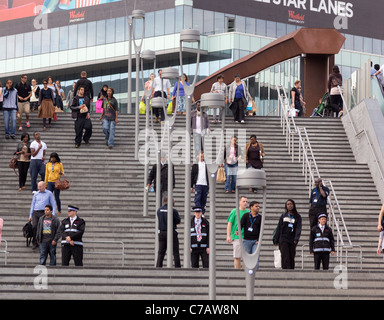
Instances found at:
x=297 y=17
x=75 y=16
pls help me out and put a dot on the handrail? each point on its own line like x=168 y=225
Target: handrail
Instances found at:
x=309 y=161
x=359 y=133
x=337 y=255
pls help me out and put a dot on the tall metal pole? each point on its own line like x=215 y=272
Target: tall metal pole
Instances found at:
x=188 y=36
x=157 y=104
x=137 y=106
x=170 y=200
x=129 y=97
x=211 y=100
x=147 y=55
x=169 y=73
x=212 y=237
x=137 y=14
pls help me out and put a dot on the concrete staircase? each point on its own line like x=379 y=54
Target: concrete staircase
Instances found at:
x=107 y=186
x=24 y=282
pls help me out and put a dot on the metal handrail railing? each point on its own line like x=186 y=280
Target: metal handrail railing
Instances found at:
x=338 y=255
x=306 y=156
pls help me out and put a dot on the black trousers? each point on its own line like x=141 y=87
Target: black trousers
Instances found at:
x=238 y=109
x=67 y=251
x=81 y=124
x=163 y=249
x=288 y=253
x=23 y=167
x=195 y=256
x=35 y=220
x=321 y=258
x=159 y=112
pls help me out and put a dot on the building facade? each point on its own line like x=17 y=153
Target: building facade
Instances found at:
x=62 y=38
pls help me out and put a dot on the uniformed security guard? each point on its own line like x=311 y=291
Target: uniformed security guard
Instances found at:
x=72 y=230
x=321 y=243
x=162 y=215
x=199 y=239
x=317 y=202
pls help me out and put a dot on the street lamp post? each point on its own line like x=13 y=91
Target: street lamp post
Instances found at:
x=190 y=36
x=148 y=55
x=137 y=14
x=245 y=179
x=156 y=103
x=169 y=73
x=212 y=100
x=129 y=97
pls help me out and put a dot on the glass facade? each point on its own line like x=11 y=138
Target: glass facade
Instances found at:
x=223 y=48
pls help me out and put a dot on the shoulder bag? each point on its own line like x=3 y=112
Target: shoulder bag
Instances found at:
x=62 y=184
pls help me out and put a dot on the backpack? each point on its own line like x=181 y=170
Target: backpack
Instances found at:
x=28 y=232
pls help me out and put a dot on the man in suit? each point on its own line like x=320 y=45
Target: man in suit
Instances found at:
x=163 y=176
x=200 y=182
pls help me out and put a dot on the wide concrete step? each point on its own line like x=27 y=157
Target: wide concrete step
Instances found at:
x=185 y=284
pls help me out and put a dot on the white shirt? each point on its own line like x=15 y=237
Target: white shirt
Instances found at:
x=198 y=124
x=34 y=98
x=35 y=145
x=72 y=219
x=157 y=84
x=197 y=224
x=201 y=177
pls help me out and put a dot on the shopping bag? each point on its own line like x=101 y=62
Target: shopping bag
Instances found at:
x=221 y=175
x=249 y=106
x=293 y=112
x=99 y=106
x=142 y=107
x=277 y=258
x=170 y=108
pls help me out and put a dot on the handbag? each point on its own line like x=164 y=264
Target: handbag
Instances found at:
x=221 y=175
x=13 y=164
x=99 y=106
x=62 y=184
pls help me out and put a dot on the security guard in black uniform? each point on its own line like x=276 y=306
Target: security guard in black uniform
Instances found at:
x=72 y=230
x=199 y=239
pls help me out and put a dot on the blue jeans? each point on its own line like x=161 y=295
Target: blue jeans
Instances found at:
x=201 y=194
x=51 y=187
x=36 y=167
x=230 y=173
x=250 y=247
x=10 y=115
x=46 y=248
x=109 y=128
